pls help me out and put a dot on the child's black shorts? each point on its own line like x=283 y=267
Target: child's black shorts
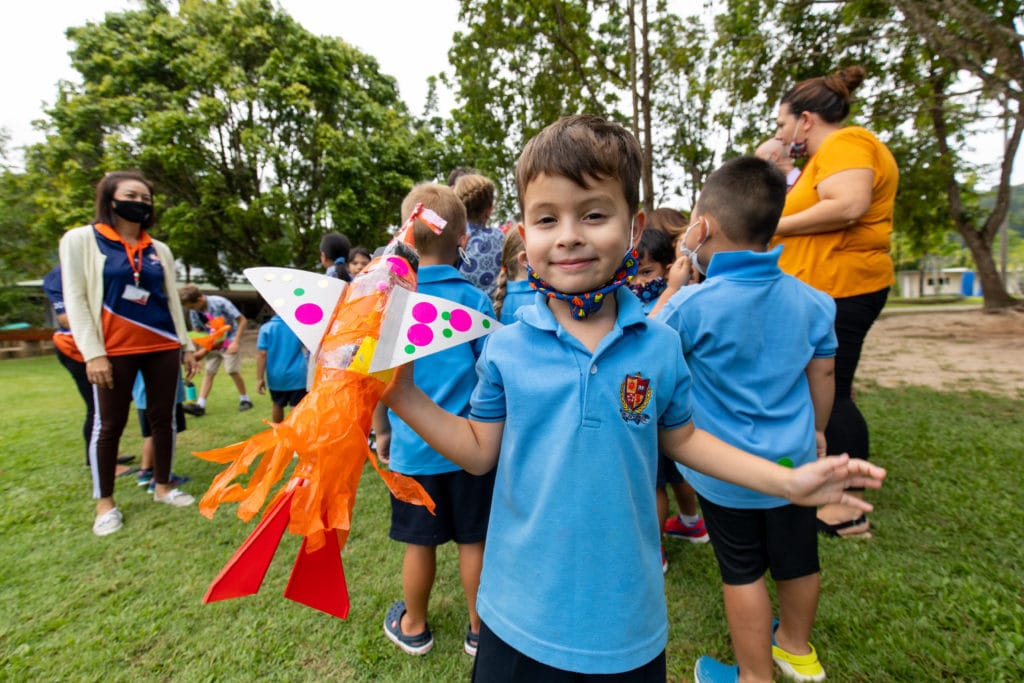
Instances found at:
x=668 y=473
x=497 y=661
x=287 y=398
x=463 y=507
x=748 y=542
x=179 y=421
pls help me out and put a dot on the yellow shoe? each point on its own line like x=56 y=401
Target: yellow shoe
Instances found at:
x=797 y=667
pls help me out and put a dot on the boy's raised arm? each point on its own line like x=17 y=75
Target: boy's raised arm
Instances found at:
x=470 y=444
x=817 y=483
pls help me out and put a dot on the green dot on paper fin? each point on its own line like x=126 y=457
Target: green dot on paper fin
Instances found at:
x=447 y=333
x=486 y=324
x=410 y=349
x=786 y=462
x=299 y=291
x=447 y=315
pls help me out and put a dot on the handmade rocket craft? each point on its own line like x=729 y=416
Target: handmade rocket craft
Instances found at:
x=358 y=333
x=218 y=330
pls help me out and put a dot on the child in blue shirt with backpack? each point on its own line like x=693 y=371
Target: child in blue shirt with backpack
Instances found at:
x=572 y=588
x=761 y=346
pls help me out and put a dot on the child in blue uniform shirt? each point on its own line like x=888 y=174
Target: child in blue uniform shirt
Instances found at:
x=513 y=290
x=571 y=417
x=760 y=345
x=281 y=364
x=655 y=258
x=463 y=500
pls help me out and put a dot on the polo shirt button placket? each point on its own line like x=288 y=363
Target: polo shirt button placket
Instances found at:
x=593 y=369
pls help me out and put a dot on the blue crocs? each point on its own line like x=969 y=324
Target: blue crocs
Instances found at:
x=710 y=670
x=418 y=644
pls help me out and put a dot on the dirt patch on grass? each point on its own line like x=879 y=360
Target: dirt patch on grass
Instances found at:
x=950 y=351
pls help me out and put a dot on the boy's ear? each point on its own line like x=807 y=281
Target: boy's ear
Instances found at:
x=521 y=259
x=639 y=223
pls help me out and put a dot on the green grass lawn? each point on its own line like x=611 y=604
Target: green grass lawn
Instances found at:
x=936 y=595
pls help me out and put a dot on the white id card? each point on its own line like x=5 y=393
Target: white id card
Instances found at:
x=137 y=295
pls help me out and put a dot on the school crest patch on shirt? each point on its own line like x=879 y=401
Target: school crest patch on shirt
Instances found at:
x=634 y=395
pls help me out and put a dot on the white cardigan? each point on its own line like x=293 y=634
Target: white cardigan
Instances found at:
x=81 y=263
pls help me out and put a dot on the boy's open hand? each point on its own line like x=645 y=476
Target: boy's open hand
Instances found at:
x=826 y=480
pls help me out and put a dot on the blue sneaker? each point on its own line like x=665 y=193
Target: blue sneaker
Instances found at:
x=144 y=478
x=176 y=480
x=710 y=670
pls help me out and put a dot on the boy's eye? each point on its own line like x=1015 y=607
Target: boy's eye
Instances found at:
x=594 y=216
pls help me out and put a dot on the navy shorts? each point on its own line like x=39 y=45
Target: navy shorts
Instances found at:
x=748 y=542
x=179 y=421
x=463 y=506
x=498 y=662
x=668 y=473
x=287 y=398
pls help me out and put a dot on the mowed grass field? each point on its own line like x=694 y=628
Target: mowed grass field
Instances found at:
x=937 y=595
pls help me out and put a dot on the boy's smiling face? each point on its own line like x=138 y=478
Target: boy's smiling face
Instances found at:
x=576 y=237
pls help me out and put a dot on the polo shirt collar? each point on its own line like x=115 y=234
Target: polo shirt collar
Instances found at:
x=107 y=231
x=434 y=274
x=746 y=265
x=630 y=313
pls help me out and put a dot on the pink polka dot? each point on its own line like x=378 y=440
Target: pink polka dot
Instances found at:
x=420 y=335
x=309 y=314
x=461 y=320
x=424 y=312
x=398 y=266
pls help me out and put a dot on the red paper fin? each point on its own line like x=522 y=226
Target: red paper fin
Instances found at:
x=318 y=579
x=244 y=572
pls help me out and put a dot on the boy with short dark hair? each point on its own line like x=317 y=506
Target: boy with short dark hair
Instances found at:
x=463 y=500
x=572 y=584
x=760 y=346
x=202 y=309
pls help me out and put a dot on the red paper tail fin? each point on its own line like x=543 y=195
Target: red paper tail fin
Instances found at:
x=318 y=578
x=244 y=572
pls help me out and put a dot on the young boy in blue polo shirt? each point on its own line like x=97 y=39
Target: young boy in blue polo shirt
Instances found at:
x=761 y=348
x=281 y=364
x=571 y=403
x=463 y=500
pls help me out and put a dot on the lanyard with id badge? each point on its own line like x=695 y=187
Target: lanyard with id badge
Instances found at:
x=132 y=291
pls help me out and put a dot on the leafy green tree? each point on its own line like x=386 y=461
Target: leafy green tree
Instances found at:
x=522 y=64
x=259 y=135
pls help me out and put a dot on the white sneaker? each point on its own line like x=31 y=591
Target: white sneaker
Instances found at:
x=176 y=497
x=110 y=521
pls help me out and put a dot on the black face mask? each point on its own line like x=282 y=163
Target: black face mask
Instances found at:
x=133 y=212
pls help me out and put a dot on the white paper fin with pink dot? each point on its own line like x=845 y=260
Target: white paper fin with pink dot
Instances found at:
x=417 y=325
x=304 y=300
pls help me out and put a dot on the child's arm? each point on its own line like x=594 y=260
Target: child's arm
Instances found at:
x=382 y=432
x=821 y=377
x=470 y=444
x=261 y=371
x=817 y=483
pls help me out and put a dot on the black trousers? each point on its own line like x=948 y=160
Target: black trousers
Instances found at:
x=847 y=430
x=77 y=371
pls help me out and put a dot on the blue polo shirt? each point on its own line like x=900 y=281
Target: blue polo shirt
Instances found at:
x=748 y=333
x=572 y=567
x=286 y=356
x=518 y=293
x=448 y=377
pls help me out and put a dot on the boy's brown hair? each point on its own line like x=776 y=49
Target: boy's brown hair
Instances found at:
x=442 y=200
x=580 y=148
x=746 y=196
x=189 y=295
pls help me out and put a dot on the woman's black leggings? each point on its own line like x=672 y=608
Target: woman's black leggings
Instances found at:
x=847 y=431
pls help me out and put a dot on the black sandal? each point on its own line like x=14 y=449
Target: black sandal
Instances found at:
x=832 y=530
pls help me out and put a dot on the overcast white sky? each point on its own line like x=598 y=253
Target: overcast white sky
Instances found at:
x=409 y=38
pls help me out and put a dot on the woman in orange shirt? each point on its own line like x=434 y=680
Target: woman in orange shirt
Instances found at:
x=836 y=229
